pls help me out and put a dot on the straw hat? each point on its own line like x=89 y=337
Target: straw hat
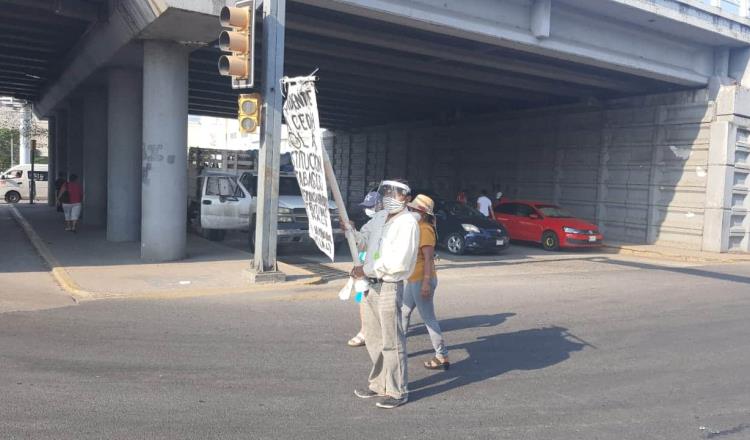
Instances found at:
x=422 y=203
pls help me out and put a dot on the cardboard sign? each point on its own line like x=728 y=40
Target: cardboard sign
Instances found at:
x=306 y=145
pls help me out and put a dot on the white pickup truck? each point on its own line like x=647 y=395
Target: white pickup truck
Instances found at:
x=225 y=201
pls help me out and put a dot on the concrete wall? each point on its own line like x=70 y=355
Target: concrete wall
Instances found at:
x=638 y=167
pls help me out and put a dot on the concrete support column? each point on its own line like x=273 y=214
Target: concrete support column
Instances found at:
x=720 y=173
x=95 y=158
x=61 y=143
x=75 y=138
x=24 y=144
x=124 y=118
x=164 y=166
x=51 y=155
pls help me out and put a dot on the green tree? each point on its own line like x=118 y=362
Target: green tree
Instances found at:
x=8 y=137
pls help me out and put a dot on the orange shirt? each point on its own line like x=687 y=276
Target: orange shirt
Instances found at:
x=427 y=237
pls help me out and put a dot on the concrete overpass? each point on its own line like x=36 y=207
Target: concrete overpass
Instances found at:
x=607 y=106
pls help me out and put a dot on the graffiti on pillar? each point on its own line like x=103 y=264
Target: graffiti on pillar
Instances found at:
x=151 y=154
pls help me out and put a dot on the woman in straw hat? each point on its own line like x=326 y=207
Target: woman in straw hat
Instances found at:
x=420 y=288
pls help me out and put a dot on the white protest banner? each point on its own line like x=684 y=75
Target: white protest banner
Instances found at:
x=306 y=142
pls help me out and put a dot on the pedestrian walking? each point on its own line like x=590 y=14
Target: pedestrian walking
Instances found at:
x=71 y=197
x=484 y=204
x=420 y=288
x=371 y=205
x=391 y=240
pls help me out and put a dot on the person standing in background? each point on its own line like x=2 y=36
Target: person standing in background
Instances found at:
x=461 y=197
x=484 y=204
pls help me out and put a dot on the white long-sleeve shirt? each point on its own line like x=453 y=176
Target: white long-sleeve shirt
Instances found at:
x=391 y=246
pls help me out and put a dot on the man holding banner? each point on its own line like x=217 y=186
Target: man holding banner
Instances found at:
x=391 y=240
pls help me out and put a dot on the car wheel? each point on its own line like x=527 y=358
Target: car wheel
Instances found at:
x=455 y=244
x=550 y=242
x=12 y=197
x=215 y=234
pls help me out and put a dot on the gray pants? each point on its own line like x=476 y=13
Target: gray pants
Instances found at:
x=426 y=306
x=386 y=340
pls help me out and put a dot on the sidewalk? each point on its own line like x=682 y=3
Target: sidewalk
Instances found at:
x=87 y=266
x=675 y=254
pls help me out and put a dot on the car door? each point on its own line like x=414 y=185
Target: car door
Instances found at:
x=505 y=213
x=529 y=223
x=220 y=203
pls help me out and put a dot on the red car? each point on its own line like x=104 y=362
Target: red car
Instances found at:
x=547 y=224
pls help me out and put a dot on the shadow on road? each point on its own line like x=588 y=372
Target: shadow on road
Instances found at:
x=492 y=356
x=464 y=322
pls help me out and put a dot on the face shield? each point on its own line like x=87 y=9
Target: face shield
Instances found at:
x=393 y=195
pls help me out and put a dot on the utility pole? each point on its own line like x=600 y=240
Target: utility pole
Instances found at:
x=32 y=180
x=265 y=267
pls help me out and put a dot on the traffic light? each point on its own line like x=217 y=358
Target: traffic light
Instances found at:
x=249 y=112
x=240 y=40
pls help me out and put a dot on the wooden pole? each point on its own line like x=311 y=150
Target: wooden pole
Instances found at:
x=334 y=185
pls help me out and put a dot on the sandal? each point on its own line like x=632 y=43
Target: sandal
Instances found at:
x=437 y=364
x=357 y=341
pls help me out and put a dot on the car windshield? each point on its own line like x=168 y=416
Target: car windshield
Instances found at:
x=553 y=211
x=461 y=210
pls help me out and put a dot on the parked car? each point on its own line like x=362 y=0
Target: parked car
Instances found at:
x=15 y=183
x=462 y=229
x=550 y=225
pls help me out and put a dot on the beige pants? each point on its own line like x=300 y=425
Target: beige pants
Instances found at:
x=386 y=340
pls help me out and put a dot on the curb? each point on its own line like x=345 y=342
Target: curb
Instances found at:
x=68 y=284
x=60 y=275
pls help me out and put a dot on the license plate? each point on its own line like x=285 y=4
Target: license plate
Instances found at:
x=500 y=242
x=592 y=238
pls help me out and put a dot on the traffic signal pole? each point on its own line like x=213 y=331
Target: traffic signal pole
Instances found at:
x=265 y=268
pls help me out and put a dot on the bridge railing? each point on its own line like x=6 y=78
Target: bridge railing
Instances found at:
x=739 y=7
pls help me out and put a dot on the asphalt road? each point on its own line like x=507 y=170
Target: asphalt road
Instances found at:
x=587 y=347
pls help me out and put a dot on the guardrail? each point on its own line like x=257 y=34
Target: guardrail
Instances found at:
x=738 y=7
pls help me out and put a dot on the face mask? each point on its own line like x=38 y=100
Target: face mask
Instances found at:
x=370 y=212
x=392 y=205
x=417 y=216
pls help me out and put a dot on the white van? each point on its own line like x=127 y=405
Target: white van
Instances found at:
x=15 y=183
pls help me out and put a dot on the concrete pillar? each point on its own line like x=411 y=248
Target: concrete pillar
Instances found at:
x=24 y=144
x=75 y=138
x=124 y=117
x=61 y=143
x=164 y=167
x=719 y=187
x=51 y=157
x=95 y=158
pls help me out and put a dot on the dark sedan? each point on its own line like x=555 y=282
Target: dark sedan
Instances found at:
x=462 y=229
